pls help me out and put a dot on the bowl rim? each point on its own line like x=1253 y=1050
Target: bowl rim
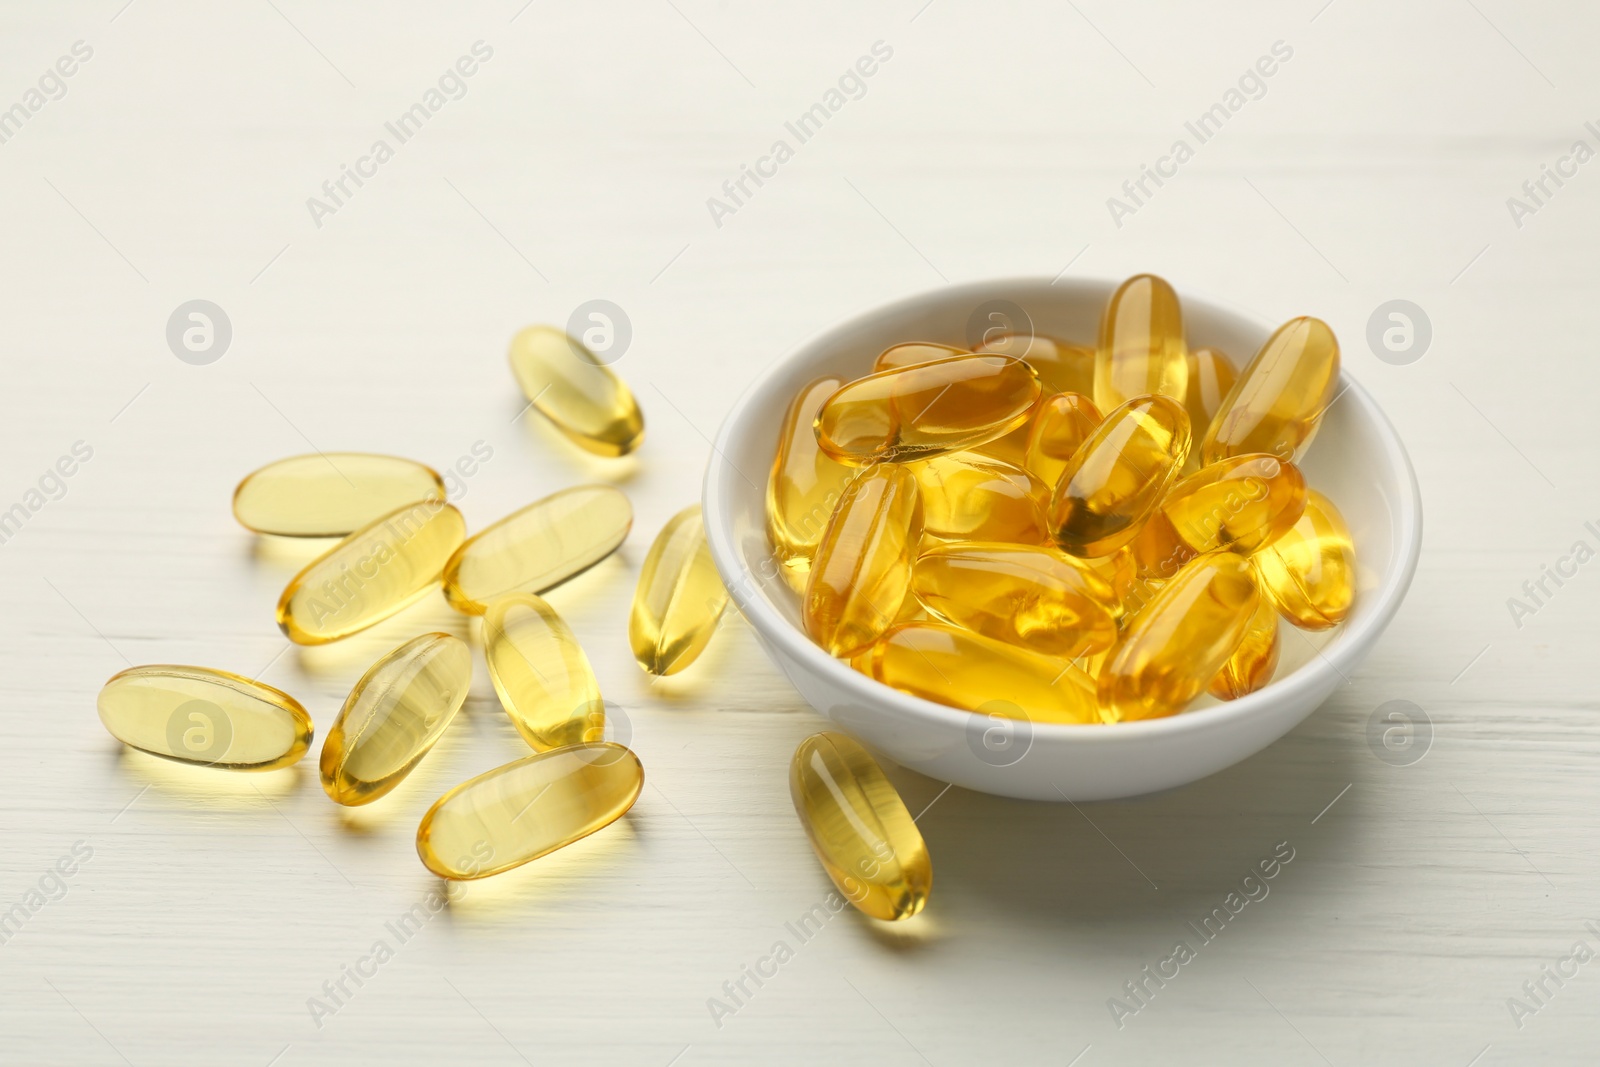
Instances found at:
x=793 y=642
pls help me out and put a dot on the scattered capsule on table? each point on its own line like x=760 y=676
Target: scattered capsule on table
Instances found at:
x=961 y=668
x=805 y=484
x=203 y=716
x=1118 y=476
x=1211 y=377
x=679 y=599
x=1142 y=348
x=918 y=411
x=1063 y=422
x=393 y=716
x=329 y=494
x=1062 y=367
x=862 y=569
x=1178 y=642
x=971 y=497
x=1158 y=551
x=1252 y=664
x=571 y=387
x=539 y=547
x=1278 y=401
x=528 y=808
x=910 y=353
x=859 y=827
x=1310 y=572
x=541 y=673
x=1240 y=503
x=1038 y=598
x=370 y=575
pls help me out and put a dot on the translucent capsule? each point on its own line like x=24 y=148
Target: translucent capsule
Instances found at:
x=539 y=547
x=1039 y=598
x=859 y=827
x=370 y=575
x=960 y=668
x=573 y=389
x=1120 y=571
x=1278 y=401
x=1062 y=367
x=911 y=353
x=204 y=716
x=1158 y=551
x=330 y=494
x=1142 y=348
x=971 y=497
x=919 y=411
x=528 y=808
x=1118 y=476
x=1178 y=642
x=805 y=485
x=862 y=570
x=679 y=598
x=1240 y=504
x=393 y=716
x=1211 y=378
x=1310 y=572
x=541 y=673
x=1253 y=662
x=1063 y=422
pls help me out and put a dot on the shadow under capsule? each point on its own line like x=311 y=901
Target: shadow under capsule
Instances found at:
x=350 y=656
x=287 y=554
x=213 y=787
x=619 y=470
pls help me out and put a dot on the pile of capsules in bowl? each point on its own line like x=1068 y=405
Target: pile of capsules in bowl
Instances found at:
x=1068 y=534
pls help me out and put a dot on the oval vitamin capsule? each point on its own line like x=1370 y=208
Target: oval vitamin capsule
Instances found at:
x=1211 y=377
x=1253 y=662
x=862 y=570
x=805 y=484
x=1158 y=551
x=1142 y=348
x=1278 y=401
x=1118 y=476
x=541 y=673
x=1240 y=504
x=573 y=389
x=1310 y=572
x=859 y=827
x=528 y=808
x=370 y=575
x=679 y=598
x=910 y=353
x=539 y=547
x=330 y=494
x=1062 y=424
x=1062 y=367
x=971 y=497
x=208 y=717
x=393 y=716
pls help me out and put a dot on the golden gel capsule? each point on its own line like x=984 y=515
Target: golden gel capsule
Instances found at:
x=541 y=674
x=1278 y=401
x=960 y=668
x=574 y=390
x=330 y=494
x=859 y=827
x=539 y=547
x=862 y=571
x=1064 y=421
x=1252 y=663
x=1039 y=598
x=1239 y=504
x=1117 y=477
x=805 y=485
x=1120 y=571
x=1211 y=378
x=205 y=716
x=528 y=808
x=1062 y=367
x=911 y=353
x=375 y=572
x=393 y=716
x=1158 y=551
x=679 y=598
x=919 y=411
x=972 y=497
x=1310 y=572
x=1178 y=642
x=1142 y=348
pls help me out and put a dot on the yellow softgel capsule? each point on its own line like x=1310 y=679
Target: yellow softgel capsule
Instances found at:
x=1278 y=401
x=573 y=389
x=1211 y=377
x=205 y=716
x=539 y=547
x=1240 y=503
x=1062 y=424
x=1178 y=642
x=805 y=484
x=375 y=572
x=541 y=673
x=919 y=411
x=1118 y=476
x=859 y=827
x=393 y=716
x=1158 y=551
x=329 y=494
x=528 y=808
x=1142 y=348
x=1120 y=571
x=862 y=570
x=679 y=598
x=910 y=353
x=1039 y=598
x=960 y=668
x=1310 y=572
x=1253 y=662
x=971 y=497
x=1062 y=367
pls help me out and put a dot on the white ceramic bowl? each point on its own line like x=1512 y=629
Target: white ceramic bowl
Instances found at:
x=1356 y=459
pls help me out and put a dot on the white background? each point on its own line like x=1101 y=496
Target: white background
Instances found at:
x=1376 y=166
